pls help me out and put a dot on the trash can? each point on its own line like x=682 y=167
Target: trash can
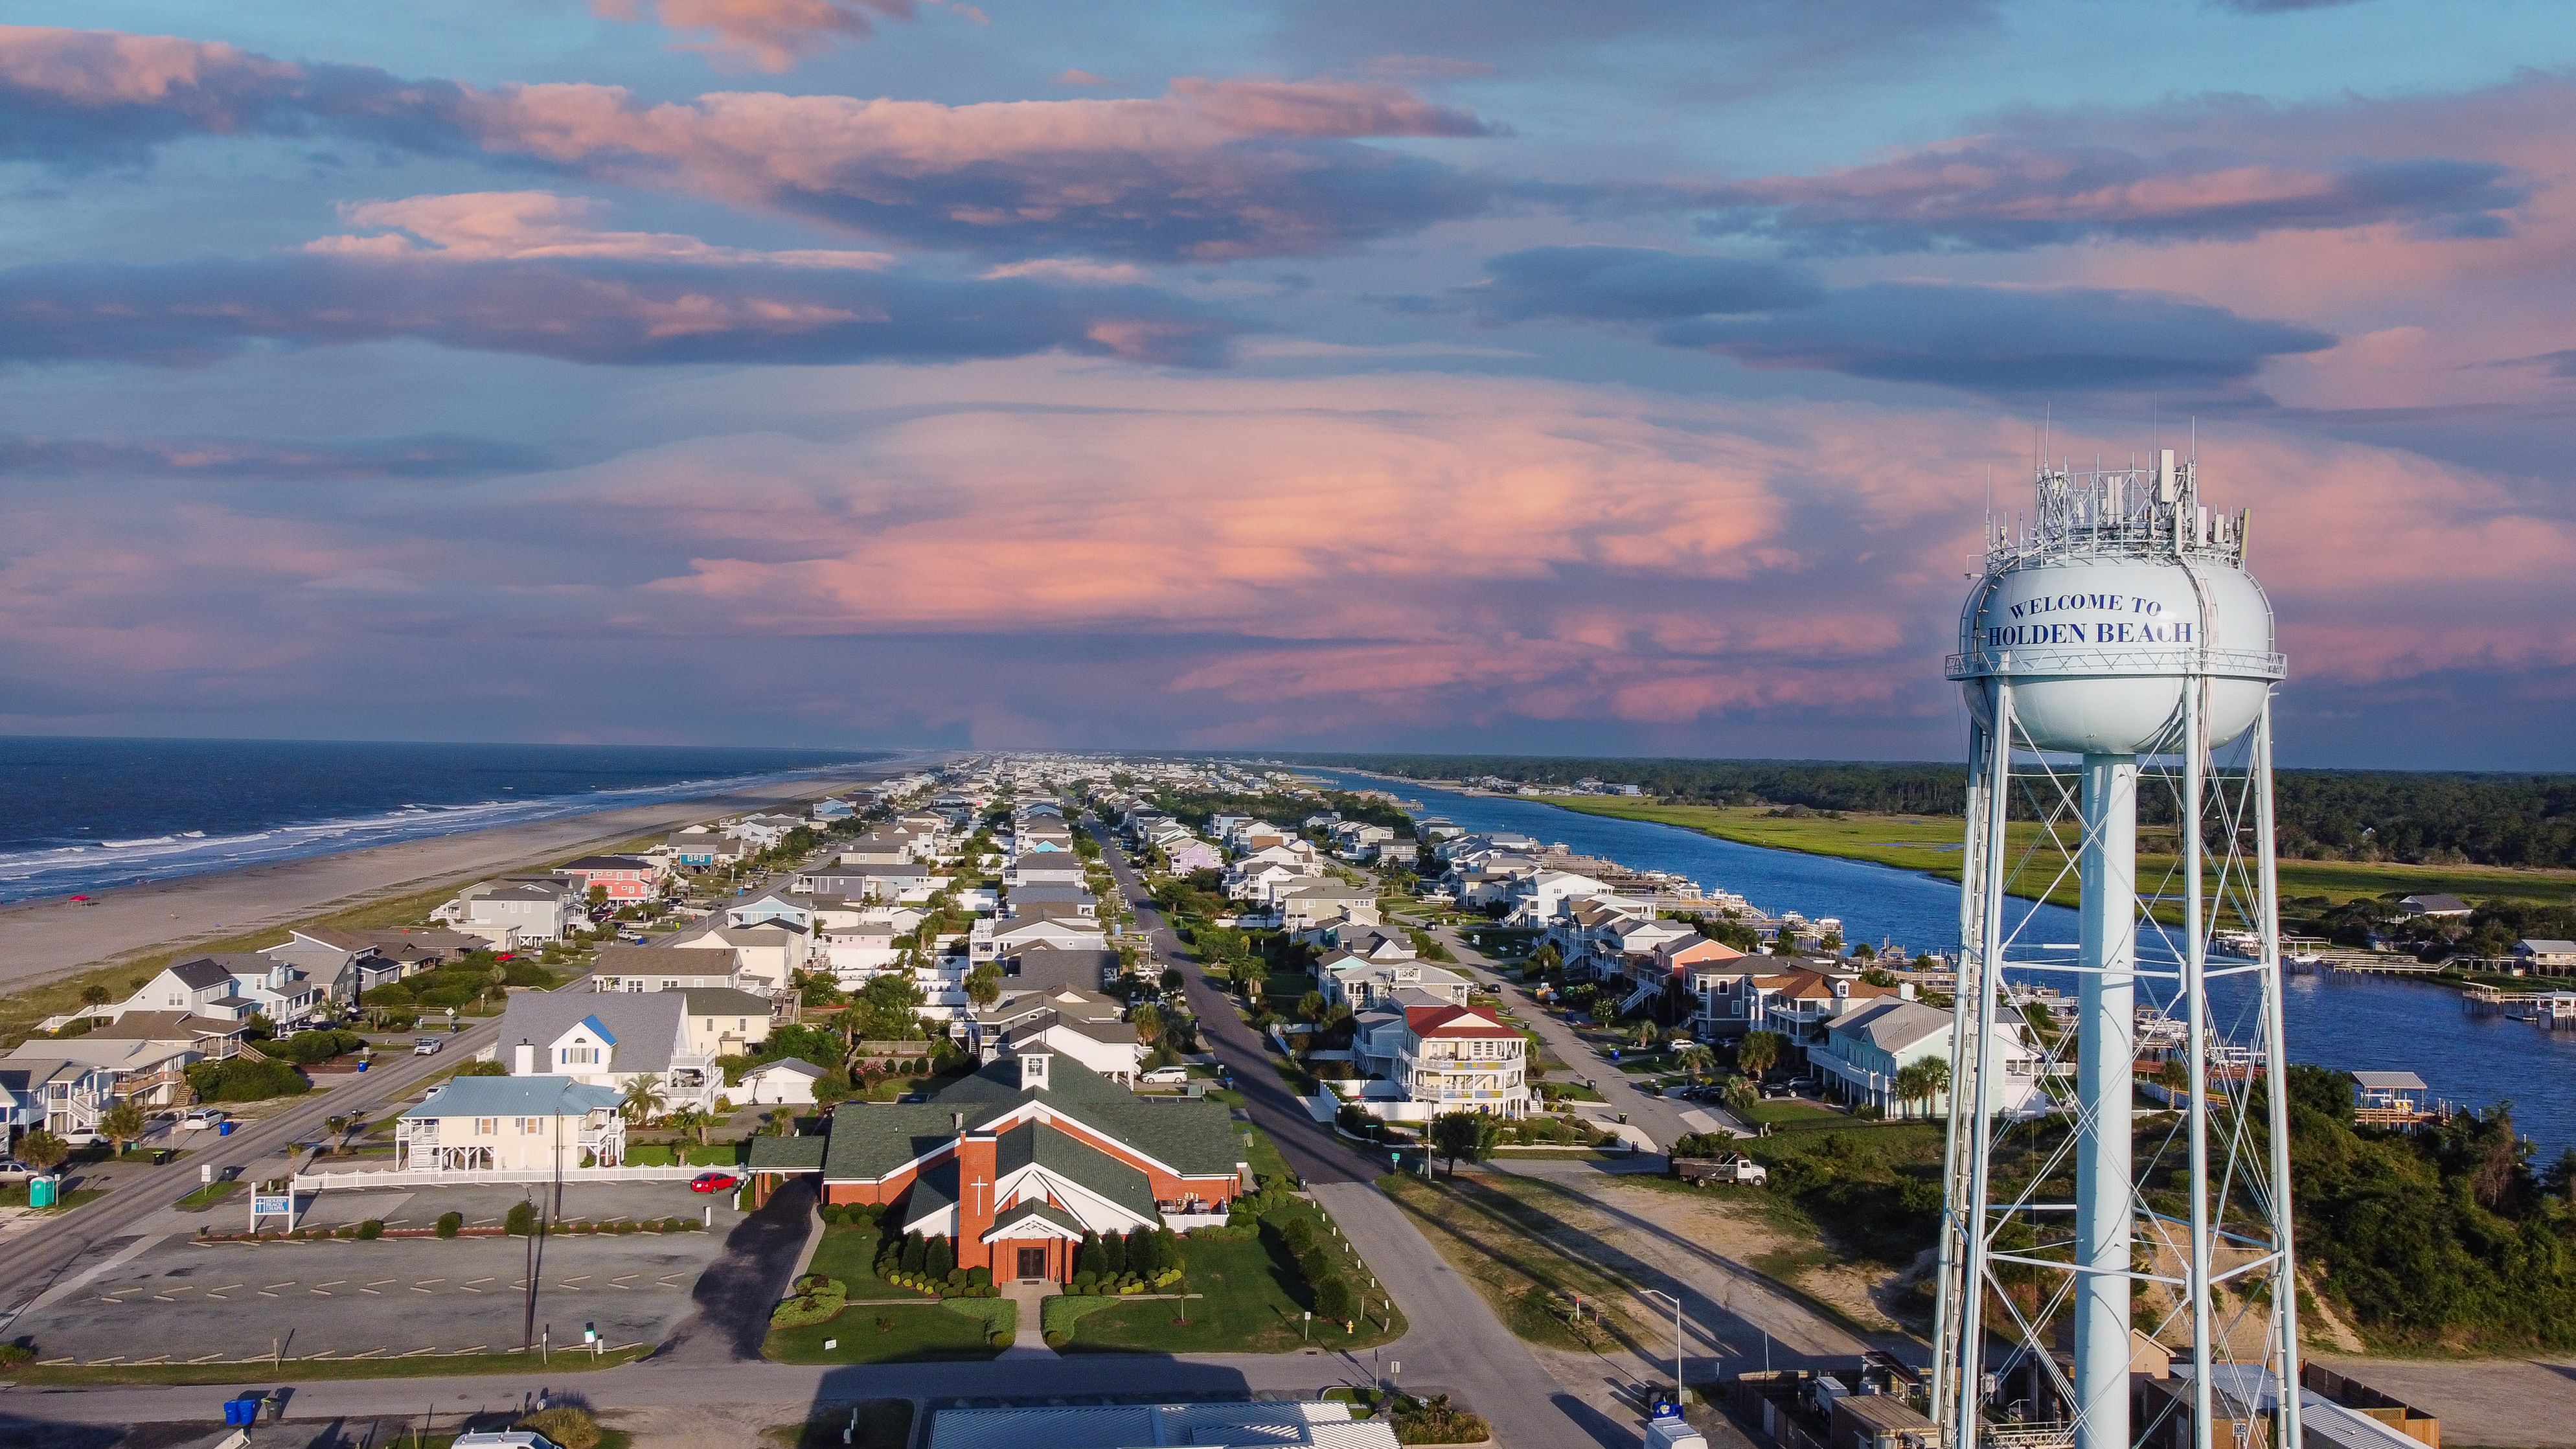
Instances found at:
x=362 y=1064
x=242 y=1412
x=223 y=1129
x=43 y=1191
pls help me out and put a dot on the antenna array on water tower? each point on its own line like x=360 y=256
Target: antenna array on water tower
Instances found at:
x=2117 y=1177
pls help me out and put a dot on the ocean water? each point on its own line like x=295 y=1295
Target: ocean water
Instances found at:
x=2353 y=1022
x=79 y=815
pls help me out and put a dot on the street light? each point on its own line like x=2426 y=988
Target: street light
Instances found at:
x=1677 y=1338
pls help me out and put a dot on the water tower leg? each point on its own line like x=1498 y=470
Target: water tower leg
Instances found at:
x=2106 y=1049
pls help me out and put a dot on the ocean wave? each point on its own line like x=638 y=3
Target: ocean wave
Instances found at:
x=62 y=869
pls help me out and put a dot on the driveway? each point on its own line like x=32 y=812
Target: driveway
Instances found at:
x=736 y=1292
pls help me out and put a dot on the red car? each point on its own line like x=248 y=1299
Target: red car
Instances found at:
x=714 y=1182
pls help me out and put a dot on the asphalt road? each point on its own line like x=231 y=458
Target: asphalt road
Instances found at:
x=1455 y=1342
x=1314 y=1155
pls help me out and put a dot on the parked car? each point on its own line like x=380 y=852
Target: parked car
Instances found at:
x=202 y=1119
x=714 y=1182
x=1165 y=1076
x=425 y=1046
x=504 y=1439
x=12 y=1170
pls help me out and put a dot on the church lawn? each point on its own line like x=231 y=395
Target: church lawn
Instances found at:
x=955 y=1328
x=1247 y=1305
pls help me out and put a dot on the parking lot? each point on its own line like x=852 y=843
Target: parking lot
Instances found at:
x=181 y=1300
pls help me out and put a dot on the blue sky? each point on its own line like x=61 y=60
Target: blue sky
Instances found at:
x=1510 y=375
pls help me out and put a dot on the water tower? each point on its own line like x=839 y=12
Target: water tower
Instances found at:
x=2117 y=1175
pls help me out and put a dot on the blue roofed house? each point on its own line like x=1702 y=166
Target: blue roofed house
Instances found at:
x=511 y=1124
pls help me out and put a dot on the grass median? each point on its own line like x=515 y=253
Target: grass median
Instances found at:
x=294 y=1370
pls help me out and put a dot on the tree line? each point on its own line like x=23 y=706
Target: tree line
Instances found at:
x=2415 y=817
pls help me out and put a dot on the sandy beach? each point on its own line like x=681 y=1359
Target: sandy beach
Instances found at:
x=41 y=940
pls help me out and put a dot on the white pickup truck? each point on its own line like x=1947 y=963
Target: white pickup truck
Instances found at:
x=1734 y=1167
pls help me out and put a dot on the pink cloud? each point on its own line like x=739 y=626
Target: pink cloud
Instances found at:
x=771 y=35
x=518 y=225
x=1211 y=169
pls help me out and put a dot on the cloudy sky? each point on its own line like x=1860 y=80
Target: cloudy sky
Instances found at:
x=1503 y=374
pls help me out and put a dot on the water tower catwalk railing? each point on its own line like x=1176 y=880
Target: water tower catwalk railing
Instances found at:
x=2084 y=1221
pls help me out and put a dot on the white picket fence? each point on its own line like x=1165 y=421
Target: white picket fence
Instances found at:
x=386 y=1177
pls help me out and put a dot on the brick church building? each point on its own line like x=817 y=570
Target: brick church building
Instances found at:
x=1016 y=1162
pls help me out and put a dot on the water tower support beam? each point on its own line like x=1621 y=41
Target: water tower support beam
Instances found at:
x=2106 y=1047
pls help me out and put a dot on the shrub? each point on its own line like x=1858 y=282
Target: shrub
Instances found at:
x=938 y=1258
x=241 y=1080
x=1058 y=1339
x=522 y=1219
x=14 y=1354
x=979 y=1277
x=818 y=1301
x=371 y=1229
x=1334 y=1299
x=998 y=1339
x=449 y=1223
x=678 y=1225
x=571 y=1427
x=1083 y=1282
x=915 y=1253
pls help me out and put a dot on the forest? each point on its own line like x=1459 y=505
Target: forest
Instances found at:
x=2411 y=817
x=2445 y=1237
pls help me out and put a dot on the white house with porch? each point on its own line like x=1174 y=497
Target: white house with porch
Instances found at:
x=511 y=1124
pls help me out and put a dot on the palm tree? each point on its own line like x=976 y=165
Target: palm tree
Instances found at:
x=43 y=1151
x=1695 y=1058
x=1921 y=1081
x=1740 y=1097
x=94 y=994
x=984 y=984
x=1759 y=1052
x=122 y=1124
x=644 y=1101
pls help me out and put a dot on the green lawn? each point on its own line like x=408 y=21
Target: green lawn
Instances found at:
x=1248 y=1305
x=954 y=1328
x=1263 y=1154
x=886 y=1333
x=1931 y=843
x=14 y=1194
x=209 y=1195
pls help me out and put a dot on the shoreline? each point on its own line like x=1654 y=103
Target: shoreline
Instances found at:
x=45 y=940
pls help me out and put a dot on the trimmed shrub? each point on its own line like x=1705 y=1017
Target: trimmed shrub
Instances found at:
x=371 y=1229
x=979 y=1277
x=449 y=1223
x=939 y=1258
x=997 y=1339
x=915 y=1253
x=522 y=1219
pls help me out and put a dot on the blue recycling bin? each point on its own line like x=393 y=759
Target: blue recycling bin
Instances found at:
x=362 y=1064
x=241 y=1413
x=223 y=1129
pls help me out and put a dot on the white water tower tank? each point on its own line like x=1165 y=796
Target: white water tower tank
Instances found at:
x=2122 y=587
